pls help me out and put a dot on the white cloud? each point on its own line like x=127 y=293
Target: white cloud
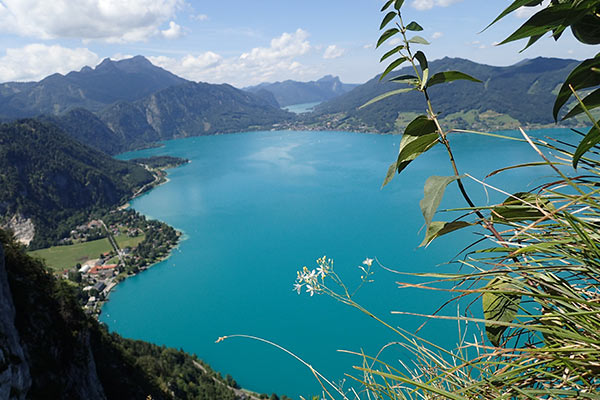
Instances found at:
x=285 y=46
x=332 y=51
x=36 y=61
x=200 y=17
x=109 y=20
x=368 y=46
x=437 y=35
x=189 y=67
x=527 y=12
x=429 y=4
x=173 y=32
x=261 y=64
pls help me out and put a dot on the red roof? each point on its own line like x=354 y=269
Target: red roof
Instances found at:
x=99 y=268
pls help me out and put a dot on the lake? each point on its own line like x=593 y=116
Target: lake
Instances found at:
x=256 y=207
x=301 y=108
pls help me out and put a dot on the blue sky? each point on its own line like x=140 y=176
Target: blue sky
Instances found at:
x=248 y=42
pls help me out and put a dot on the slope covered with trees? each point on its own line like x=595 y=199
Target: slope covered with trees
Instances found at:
x=524 y=92
x=56 y=181
x=52 y=350
x=192 y=109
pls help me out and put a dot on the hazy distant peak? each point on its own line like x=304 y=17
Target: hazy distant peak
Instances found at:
x=328 y=78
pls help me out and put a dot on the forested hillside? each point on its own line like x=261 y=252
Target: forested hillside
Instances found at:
x=192 y=109
x=51 y=350
x=56 y=181
x=522 y=93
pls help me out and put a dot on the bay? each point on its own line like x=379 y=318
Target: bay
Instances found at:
x=302 y=107
x=256 y=207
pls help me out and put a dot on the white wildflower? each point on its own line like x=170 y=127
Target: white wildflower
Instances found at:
x=297 y=287
x=368 y=261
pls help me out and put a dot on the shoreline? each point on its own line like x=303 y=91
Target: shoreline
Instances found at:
x=161 y=178
x=109 y=288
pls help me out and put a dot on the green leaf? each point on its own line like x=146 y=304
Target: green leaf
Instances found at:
x=390 y=174
x=591 y=101
x=410 y=148
x=420 y=56
x=435 y=186
x=500 y=304
x=391 y=52
x=419 y=136
x=590 y=140
x=437 y=229
x=398 y=4
x=581 y=77
x=421 y=126
x=516 y=209
x=386 y=20
x=413 y=146
x=386 y=35
x=404 y=79
x=413 y=26
x=449 y=76
x=385 y=96
x=544 y=21
x=418 y=40
x=393 y=65
x=513 y=7
x=386 y=5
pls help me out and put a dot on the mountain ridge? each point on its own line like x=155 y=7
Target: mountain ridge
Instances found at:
x=91 y=88
x=291 y=92
x=500 y=92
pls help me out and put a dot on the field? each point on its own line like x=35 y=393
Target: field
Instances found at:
x=62 y=257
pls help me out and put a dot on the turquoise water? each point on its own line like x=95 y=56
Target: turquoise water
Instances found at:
x=301 y=108
x=255 y=207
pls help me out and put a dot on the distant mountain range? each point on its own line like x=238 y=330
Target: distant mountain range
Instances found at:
x=128 y=104
x=293 y=92
x=518 y=95
x=94 y=89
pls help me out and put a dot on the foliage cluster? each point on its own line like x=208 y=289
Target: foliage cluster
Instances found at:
x=534 y=274
x=160 y=162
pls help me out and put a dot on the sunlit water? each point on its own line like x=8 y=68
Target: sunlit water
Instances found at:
x=256 y=207
x=301 y=108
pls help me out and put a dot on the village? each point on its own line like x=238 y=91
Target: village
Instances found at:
x=103 y=252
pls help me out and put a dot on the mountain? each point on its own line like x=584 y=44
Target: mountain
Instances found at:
x=292 y=92
x=50 y=349
x=51 y=182
x=93 y=89
x=85 y=127
x=509 y=96
x=192 y=109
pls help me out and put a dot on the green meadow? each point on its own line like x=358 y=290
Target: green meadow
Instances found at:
x=61 y=257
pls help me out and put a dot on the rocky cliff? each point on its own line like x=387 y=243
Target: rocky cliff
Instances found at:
x=15 y=379
x=49 y=349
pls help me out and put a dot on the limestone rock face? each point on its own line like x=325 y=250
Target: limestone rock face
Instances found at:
x=15 y=378
x=23 y=229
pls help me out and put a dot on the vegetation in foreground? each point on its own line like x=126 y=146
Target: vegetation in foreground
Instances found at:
x=69 y=355
x=531 y=283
